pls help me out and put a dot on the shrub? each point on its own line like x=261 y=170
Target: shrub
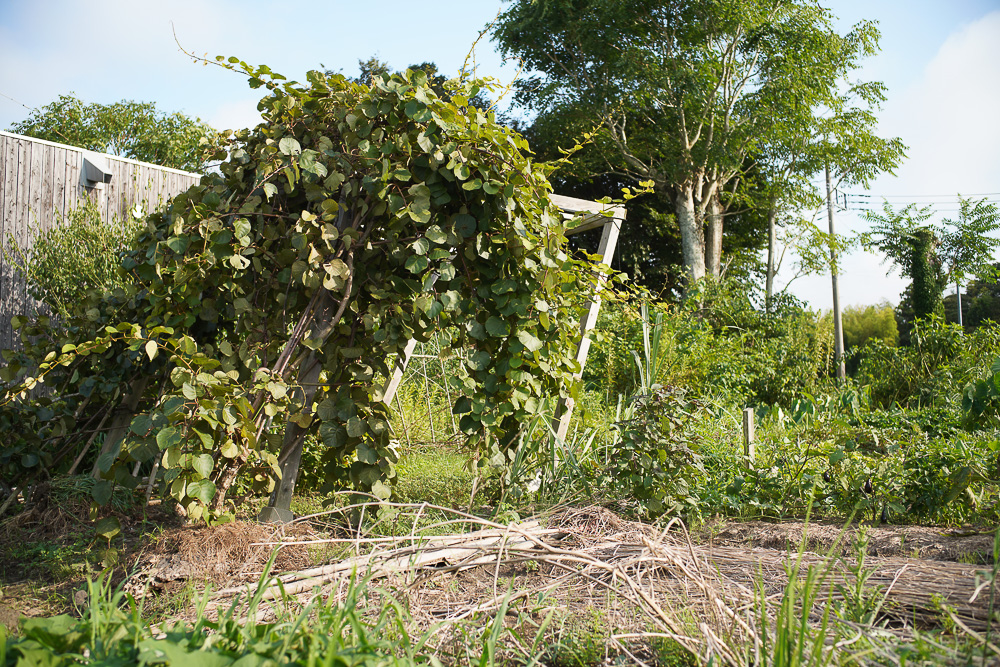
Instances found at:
x=717 y=344
x=932 y=370
x=864 y=323
x=72 y=259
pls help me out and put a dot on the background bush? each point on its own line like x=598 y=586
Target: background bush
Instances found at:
x=80 y=255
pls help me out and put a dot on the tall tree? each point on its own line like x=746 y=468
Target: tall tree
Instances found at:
x=684 y=90
x=136 y=130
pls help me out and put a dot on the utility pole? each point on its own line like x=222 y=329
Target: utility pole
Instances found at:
x=838 y=330
x=958 y=293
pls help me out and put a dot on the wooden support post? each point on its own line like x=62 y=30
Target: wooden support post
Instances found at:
x=606 y=251
x=749 y=434
x=392 y=385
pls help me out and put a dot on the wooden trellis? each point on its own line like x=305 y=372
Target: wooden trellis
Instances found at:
x=592 y=215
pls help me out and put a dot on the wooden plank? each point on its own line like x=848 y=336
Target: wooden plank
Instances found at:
x=46 y=211
x=8 y=160
x=58 y=185
x=14 y=303
x=149 y=185
x=392 y=384
x=36 y=193
x=73 y=189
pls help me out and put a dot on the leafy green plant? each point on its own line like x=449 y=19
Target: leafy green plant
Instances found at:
x=864 y=323
x=353 y=220
x=859 y=602
x=136 y=130
x=79 y=255
x=651 y=458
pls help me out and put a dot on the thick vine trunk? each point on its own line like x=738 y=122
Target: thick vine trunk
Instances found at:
x=713 y=237
x=279 y=509
x=121 y=422
x=692 y=233
x=772 y=259
x=224 y=481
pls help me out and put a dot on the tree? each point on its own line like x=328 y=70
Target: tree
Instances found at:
x=684 y=91
x=649 y=248
x=136 y=130
x=933 y=255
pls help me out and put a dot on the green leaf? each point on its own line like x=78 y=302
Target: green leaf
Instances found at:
x=355 y=427
x=203 y=464
x=529 y=341
x=168 y=437
x=381 y=490
x=108 y=527
x=203 y=490
x=450 y=299
x=436 y=234
x=238 y=262
x=101 y=493
x=327 y=409
x=497 y=327
x=171 y=458
x=178 y=244
x=289 y=146
x=367 y=455
x=465 y=225
x=141 y=424
x=416 y=264
x=421 y=246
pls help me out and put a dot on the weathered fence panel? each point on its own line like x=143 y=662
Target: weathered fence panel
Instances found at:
x=40 y=183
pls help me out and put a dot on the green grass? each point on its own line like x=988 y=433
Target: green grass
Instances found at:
x=438 y=475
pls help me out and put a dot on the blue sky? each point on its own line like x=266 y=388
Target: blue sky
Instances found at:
x=940 y=60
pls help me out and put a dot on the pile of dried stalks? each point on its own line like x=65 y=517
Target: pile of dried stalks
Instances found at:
x=646 y=582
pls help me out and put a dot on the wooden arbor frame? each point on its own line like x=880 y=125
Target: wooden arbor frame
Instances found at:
x=591 y=215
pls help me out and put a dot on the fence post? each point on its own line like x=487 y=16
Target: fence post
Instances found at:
x=749 y=448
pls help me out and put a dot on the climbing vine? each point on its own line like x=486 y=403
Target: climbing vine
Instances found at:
x=269 y=301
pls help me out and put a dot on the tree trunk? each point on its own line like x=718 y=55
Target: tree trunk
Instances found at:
x=692 y=233
x=772 y=258
x=281 y=499
x=713 y=237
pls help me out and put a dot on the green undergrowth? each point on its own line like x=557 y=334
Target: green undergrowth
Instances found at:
x=112 y=630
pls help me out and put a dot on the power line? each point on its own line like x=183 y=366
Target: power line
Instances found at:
x=923 y=197
x=17 y=101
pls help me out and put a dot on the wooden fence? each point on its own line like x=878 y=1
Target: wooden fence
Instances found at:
x=40 y=182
